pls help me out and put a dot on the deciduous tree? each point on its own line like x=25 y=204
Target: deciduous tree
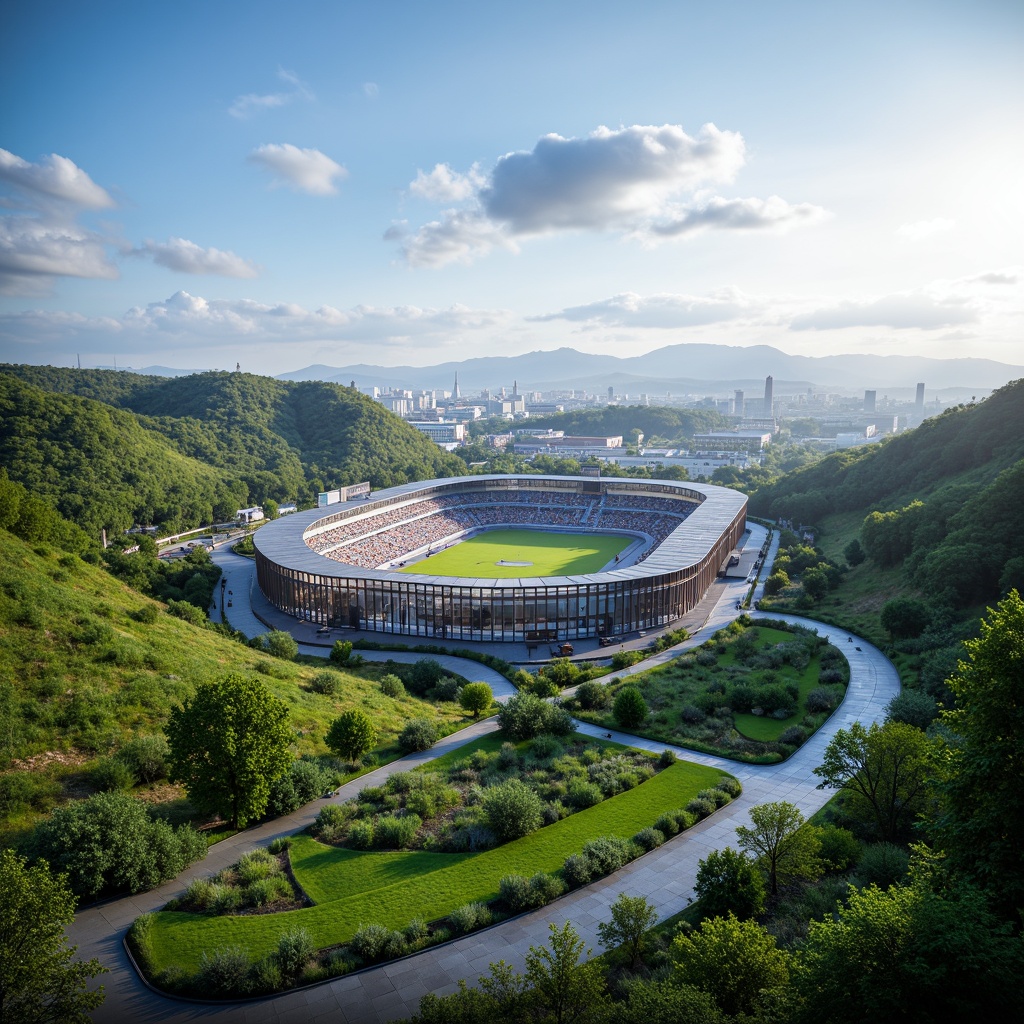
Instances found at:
x=886 y=769
x=351 y=734
x=40 y=982
x=729 y=883
x=475 y=697
x=785 y=845
x=632 y=918
x=568 y=987
x=227 y=744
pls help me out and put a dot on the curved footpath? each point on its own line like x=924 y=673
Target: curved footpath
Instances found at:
x=391 y=991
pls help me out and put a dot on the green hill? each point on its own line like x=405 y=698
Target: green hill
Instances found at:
x=86 y=664
x=281 y=440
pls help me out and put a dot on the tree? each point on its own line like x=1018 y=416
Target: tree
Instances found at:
x=729 y=883
x=227 y=745
x=904 y=617
x=522 y=716
x=854 y=553
x=776 y=583
x=351 y=735
x=475 y=697
x=418 y=734
x=785 y=845
x=512 y=809
x=910 y=953
x=915 y=707
x=815 y=583
x=566 y=991
x=886 y=769
x=40 y=981
x=736 y=962
x=980 y=819
x=630 y=708
x=632 y=918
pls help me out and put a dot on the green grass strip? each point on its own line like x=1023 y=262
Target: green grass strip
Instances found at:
x=400 y=888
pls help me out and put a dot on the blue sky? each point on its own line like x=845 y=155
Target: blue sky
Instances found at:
x=200 y=184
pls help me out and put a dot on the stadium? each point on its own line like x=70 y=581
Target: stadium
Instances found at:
x=590 y=557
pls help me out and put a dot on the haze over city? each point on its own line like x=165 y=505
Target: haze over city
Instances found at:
x=206 y=185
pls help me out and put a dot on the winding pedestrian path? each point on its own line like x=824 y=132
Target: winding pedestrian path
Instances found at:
x=393 y=991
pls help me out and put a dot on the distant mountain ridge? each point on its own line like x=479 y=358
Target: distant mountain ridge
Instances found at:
x=697 y=368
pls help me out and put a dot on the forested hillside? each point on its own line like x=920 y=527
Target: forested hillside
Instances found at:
x=111 y=448
x=943 y=500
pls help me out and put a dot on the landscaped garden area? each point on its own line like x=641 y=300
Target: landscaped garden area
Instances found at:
x=487 y=831
x=755 y=692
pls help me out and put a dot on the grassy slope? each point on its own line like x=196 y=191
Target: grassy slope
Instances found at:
x=551 y=554
x=80 y=676
x=393 y=888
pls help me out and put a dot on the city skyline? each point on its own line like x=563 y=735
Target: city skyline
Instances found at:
x=388 y=184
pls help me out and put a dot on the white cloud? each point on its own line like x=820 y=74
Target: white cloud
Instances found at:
x=740 y=214
x=253 y=103
x=192 y=321
x=460 y=237
x=55 y=177
x=922 y=311
x=188 y=258
x=307 y=170
x=632 y=180
x=664 y=311
x=443 y=185
x=371 y=90
x=921 y=229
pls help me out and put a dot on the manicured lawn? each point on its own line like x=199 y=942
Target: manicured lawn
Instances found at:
x=548 y=554
x=392 y=888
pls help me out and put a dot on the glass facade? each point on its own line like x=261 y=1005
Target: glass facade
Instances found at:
x=643 y=597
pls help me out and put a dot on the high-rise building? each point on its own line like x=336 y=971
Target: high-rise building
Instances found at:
x=769 y=407
x=869 y=401
x=457 y=392
x=919 y=400
x=737 y=402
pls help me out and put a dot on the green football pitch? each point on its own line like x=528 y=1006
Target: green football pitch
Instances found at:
x=537 y=553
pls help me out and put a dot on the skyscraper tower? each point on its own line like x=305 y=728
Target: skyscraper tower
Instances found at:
x=457 y=393
x=919 y=400
x=737 y=402
x=869 y=401
x=769 y=407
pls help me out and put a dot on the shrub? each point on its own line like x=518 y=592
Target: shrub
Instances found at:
x=418 y=734
x=583 y=794
x=649 y=839
x=793 y=736
x=416 y=930
x=361 y=835
x=255 y=865
x=267 y=890
x=830 y=676
x=839 y=847
x=146 y=756
x=913 y=707
x=514 y=892
x=327 y=683
x=341 y=651
x=606 y=854
x=667 y=758
x=279 y=845
x=280 y=644
x=624 y=659
x=592 y=695
x=557 y=720
x=544 y=888
x=727 y=784
x=223 y=972
x=294 y=951
x=112 y=775
x=546 y=746
x=392 y=832
x=469 y=917
x=425 y=674
x=820 y=700
x=577 y=870
x=667 y=825
x=882 y=864
x=331 y=821
x=508 y=757
x=701 y=807
x=512 y=810
x=370 y=941
x=692 y=715
x=716 y=796
x=200 y=894
x=630 y=708
x=447 y=689
x=522 y=717
x=392 y=686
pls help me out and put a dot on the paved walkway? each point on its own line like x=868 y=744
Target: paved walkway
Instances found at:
x=392 y=991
